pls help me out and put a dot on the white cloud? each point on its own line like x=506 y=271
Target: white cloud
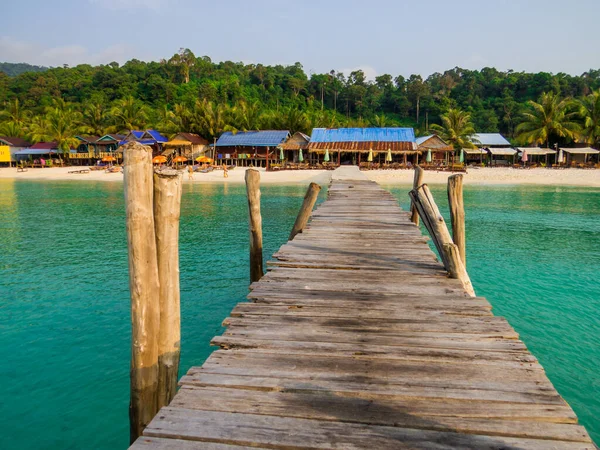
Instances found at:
x=116 y=5
x=370 y=72
x=12 y=50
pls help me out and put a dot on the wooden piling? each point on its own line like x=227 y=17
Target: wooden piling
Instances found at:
x=417 y=181
x=143 y=286
x=167 y=206
x=435 y=224
x=457 y=214
x=305 y=210
x=456 y=269
x=432 y=219
x=252 y=178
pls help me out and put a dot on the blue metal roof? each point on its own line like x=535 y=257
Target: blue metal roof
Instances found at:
x=422 y=139
x=489 y=139
x=363 y=135
x=29 y=151
x=268 y=138
x=157 y=136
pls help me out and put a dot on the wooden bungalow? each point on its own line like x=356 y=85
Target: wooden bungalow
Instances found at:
x=536 y=155
x=353 y=145
x=291 y=148
x=491 y=148
x=580 y=156
x=151 y=138
x=250 y=148
x=108 y=144
x=502 y=156
x=41 y=154
x=189 y=145
x=441 y=152
x=9 y=146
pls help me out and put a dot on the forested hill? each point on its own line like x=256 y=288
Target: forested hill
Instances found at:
x=193 y=93
x=14 y=69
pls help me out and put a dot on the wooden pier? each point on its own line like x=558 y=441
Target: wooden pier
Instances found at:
x=356 y=338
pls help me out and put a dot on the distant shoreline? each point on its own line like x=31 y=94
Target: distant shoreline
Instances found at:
x=479 y=176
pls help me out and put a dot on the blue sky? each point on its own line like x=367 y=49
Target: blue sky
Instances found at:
x=397 y=37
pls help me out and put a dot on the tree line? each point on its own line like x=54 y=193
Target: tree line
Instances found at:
x=189 y=93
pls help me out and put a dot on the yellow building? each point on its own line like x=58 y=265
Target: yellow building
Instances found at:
x=4 y=154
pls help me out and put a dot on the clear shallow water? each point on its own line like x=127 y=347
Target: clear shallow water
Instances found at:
x=64 y=311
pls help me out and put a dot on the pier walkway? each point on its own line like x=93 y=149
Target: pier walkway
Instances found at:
x=356 y=338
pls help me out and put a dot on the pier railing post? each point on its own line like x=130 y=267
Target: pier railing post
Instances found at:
x=308 y=204
x=435 y=224
x=457 y=214
x=167 y=206
x=417 y=181
x=252 y=178
x=143 y=286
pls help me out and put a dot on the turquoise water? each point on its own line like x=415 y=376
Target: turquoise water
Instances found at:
x=64 y=305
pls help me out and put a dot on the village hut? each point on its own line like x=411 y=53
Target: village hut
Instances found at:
x=151 y=138
x=353 y=145
x=189 y=145
x=441 y=152
x=291 y=148
x=580 y=156
x=249 y=148
x=499 y=151
x=9 y=146
x=536 y=155
x=41 y=151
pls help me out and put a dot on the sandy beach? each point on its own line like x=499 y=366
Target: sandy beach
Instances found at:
x=479 y=176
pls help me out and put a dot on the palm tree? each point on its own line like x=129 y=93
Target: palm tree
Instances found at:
x=551 y=117
x=95 y=119
x=63 y=126
x=211 y=119
x=129 y=114
x=14 y=113
x=589 y=110
x=38 y=129
x=456 y=129
x=247 y=116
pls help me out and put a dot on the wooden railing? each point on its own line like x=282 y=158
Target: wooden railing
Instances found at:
x=80 y=155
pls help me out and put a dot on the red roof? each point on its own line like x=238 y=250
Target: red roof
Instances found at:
x=15 y=141
x=44 y=146
x=194 y=138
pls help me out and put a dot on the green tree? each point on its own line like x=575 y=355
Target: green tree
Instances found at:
x=456 y=129
x=129 y=114
x=95 y=119
x=589 y=110
x=551 y=117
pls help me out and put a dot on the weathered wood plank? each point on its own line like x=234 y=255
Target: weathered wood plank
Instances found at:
x=285 y=433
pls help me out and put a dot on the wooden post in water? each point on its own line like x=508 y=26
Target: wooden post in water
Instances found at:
x=167 y=206
x=307 y=206
x=435 y=224
x=417 y=181
x=456 y=269
x=457 y=214
x=143 y=286
x=252 y=178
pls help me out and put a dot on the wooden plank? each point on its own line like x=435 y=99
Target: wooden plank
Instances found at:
x=475 y=417
x=526 y=393
x=153 y=443
x=285 y=433
x=372 y=351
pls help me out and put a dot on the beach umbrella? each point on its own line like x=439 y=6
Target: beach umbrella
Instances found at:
x=524 y=156
x=160 y=159
x=561 y=157
x=326 y=157
x=109 y=159
x=300 y=157
x=281 y=155
x=388 y=157
x=428 y=158
x=370 y=157
x=204 y=159
x=461 y=158
x=180 y=159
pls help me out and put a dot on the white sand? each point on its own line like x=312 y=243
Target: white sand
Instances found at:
x=495 y=176
x=235 y=176
x=481 y=176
